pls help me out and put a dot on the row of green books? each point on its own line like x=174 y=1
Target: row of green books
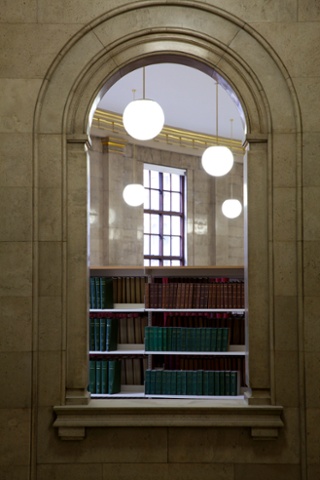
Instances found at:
x=192 y=382
x=101 y=292
x=104 y=376
x=182 y=339
x=103 y=334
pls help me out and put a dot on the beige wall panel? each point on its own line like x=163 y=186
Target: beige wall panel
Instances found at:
x=75 y=11
x=284 y=173
x=49 y=324
x=308 y=94
x=16 y=269
x=311 y=268
x=285 y=323
x=309 y=10
x=285 y=268
x=165 y=471
x=16 y=218
x=26 y=13
x=311 y=324
x=15 y=374
x=285 y=214
x=26 y=51
x=49 y=162
x=311 y=206
x=15 y=442
x=16 y=160
x=50 y=265
x=18 y=96
x=312 y=364
x=15 y=472
x=49 y=378
x=70 y=472
x=313 y=437
x=286 y=378
x=265 y=472
x=50 y=214
x=15 y=324
x=311 y=164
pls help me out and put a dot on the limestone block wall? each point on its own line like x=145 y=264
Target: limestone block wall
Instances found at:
x=55 y=59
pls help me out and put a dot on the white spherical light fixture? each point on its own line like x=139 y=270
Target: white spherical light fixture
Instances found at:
x=133 y=194
x=231 y=208
x=143 y=119
x=217 y=160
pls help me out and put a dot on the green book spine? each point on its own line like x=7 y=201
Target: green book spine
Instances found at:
x=225 y=340
x=147 y=382
x=207 y=339
x=96 y=334
x=213 y=345
x=102 y=334
x=198 y=336
x=97 y=292
x=203 y=342
x=107 y=292
x=158 y=343
x=92 y=293
x=194 y=382
x=165 y=382
x=92 y=376
x=206 y=382
x=191 y=340
x=158 y=383
x=183 y=335
x=179 y=383
x=199 y=382
x=219 y=339
x=153 y=376
x=173 y=382
x=211 y=383
x=165 y=339
x=104 y=376
x=190 y=382
x=91 y=333
x=174 y=339
x=183 y=375
x=234 y=383
x=179 y=343
x=147 y=338
x=114 y=376
x=227 y=383
x=111 y=334
x=222 y=383
x=169 y=339
x=216 y=382
x=98 y=376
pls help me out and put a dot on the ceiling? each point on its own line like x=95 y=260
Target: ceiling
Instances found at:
x=186 y=95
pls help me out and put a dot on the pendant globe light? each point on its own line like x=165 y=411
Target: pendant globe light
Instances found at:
x=143 y=119
x=217 y=160
x=232 y=207
x=133 y=194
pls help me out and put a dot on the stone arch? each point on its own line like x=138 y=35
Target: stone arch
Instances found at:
x=144 y=32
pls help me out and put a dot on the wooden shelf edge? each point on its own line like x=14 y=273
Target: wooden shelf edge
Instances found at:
x=71 y=421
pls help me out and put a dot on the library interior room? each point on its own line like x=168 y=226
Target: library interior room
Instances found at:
x=160 y=268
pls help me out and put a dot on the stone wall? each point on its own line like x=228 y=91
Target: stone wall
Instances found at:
x=56 y=58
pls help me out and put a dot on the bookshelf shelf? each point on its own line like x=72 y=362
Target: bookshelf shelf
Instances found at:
x=156 y=314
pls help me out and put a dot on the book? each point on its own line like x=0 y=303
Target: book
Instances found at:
x=102 y=334
x=104 y=376
x=98 y=376
x=92 y=376
x=111 y=334
x=114 y=376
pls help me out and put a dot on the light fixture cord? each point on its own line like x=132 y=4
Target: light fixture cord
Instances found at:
x=144 y=82
x=217 y=114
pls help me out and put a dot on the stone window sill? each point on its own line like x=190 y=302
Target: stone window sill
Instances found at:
x=72 y=421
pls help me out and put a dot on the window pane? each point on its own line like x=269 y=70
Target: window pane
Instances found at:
x=154 y=263
x=166 y=245
x=166 y=263
x=155 y=199
x=154 y=179
x=146 y=262
x=146 y=199
x=175 y=263
x=166 y=225
x=176 y=202
x=175 y=185
x=154 y=224
x=166 y=181
x=176 y=225
x=146 y=245
x=146 y=178
x=146 y=223
x=155 y=244
x=166 y=201
x=175 y=246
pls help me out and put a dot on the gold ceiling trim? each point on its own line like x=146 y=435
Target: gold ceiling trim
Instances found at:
x=112 y=123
